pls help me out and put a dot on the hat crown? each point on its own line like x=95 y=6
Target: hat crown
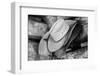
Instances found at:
x=59 y=30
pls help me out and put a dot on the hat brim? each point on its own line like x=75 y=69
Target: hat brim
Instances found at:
x=43 y=49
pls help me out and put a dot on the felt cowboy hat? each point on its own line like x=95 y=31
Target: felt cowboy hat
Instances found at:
x=55 y=38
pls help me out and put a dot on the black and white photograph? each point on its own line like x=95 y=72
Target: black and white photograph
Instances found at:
x=57 y=37
x=52 y=39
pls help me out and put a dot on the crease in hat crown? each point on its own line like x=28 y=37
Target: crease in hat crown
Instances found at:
x=59 y=29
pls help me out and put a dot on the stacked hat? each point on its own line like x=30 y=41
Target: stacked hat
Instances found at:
x=56 y=37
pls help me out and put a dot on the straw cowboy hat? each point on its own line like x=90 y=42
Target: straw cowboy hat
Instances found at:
x=55 y=38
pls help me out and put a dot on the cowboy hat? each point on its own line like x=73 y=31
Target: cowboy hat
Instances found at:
x=54 y=39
